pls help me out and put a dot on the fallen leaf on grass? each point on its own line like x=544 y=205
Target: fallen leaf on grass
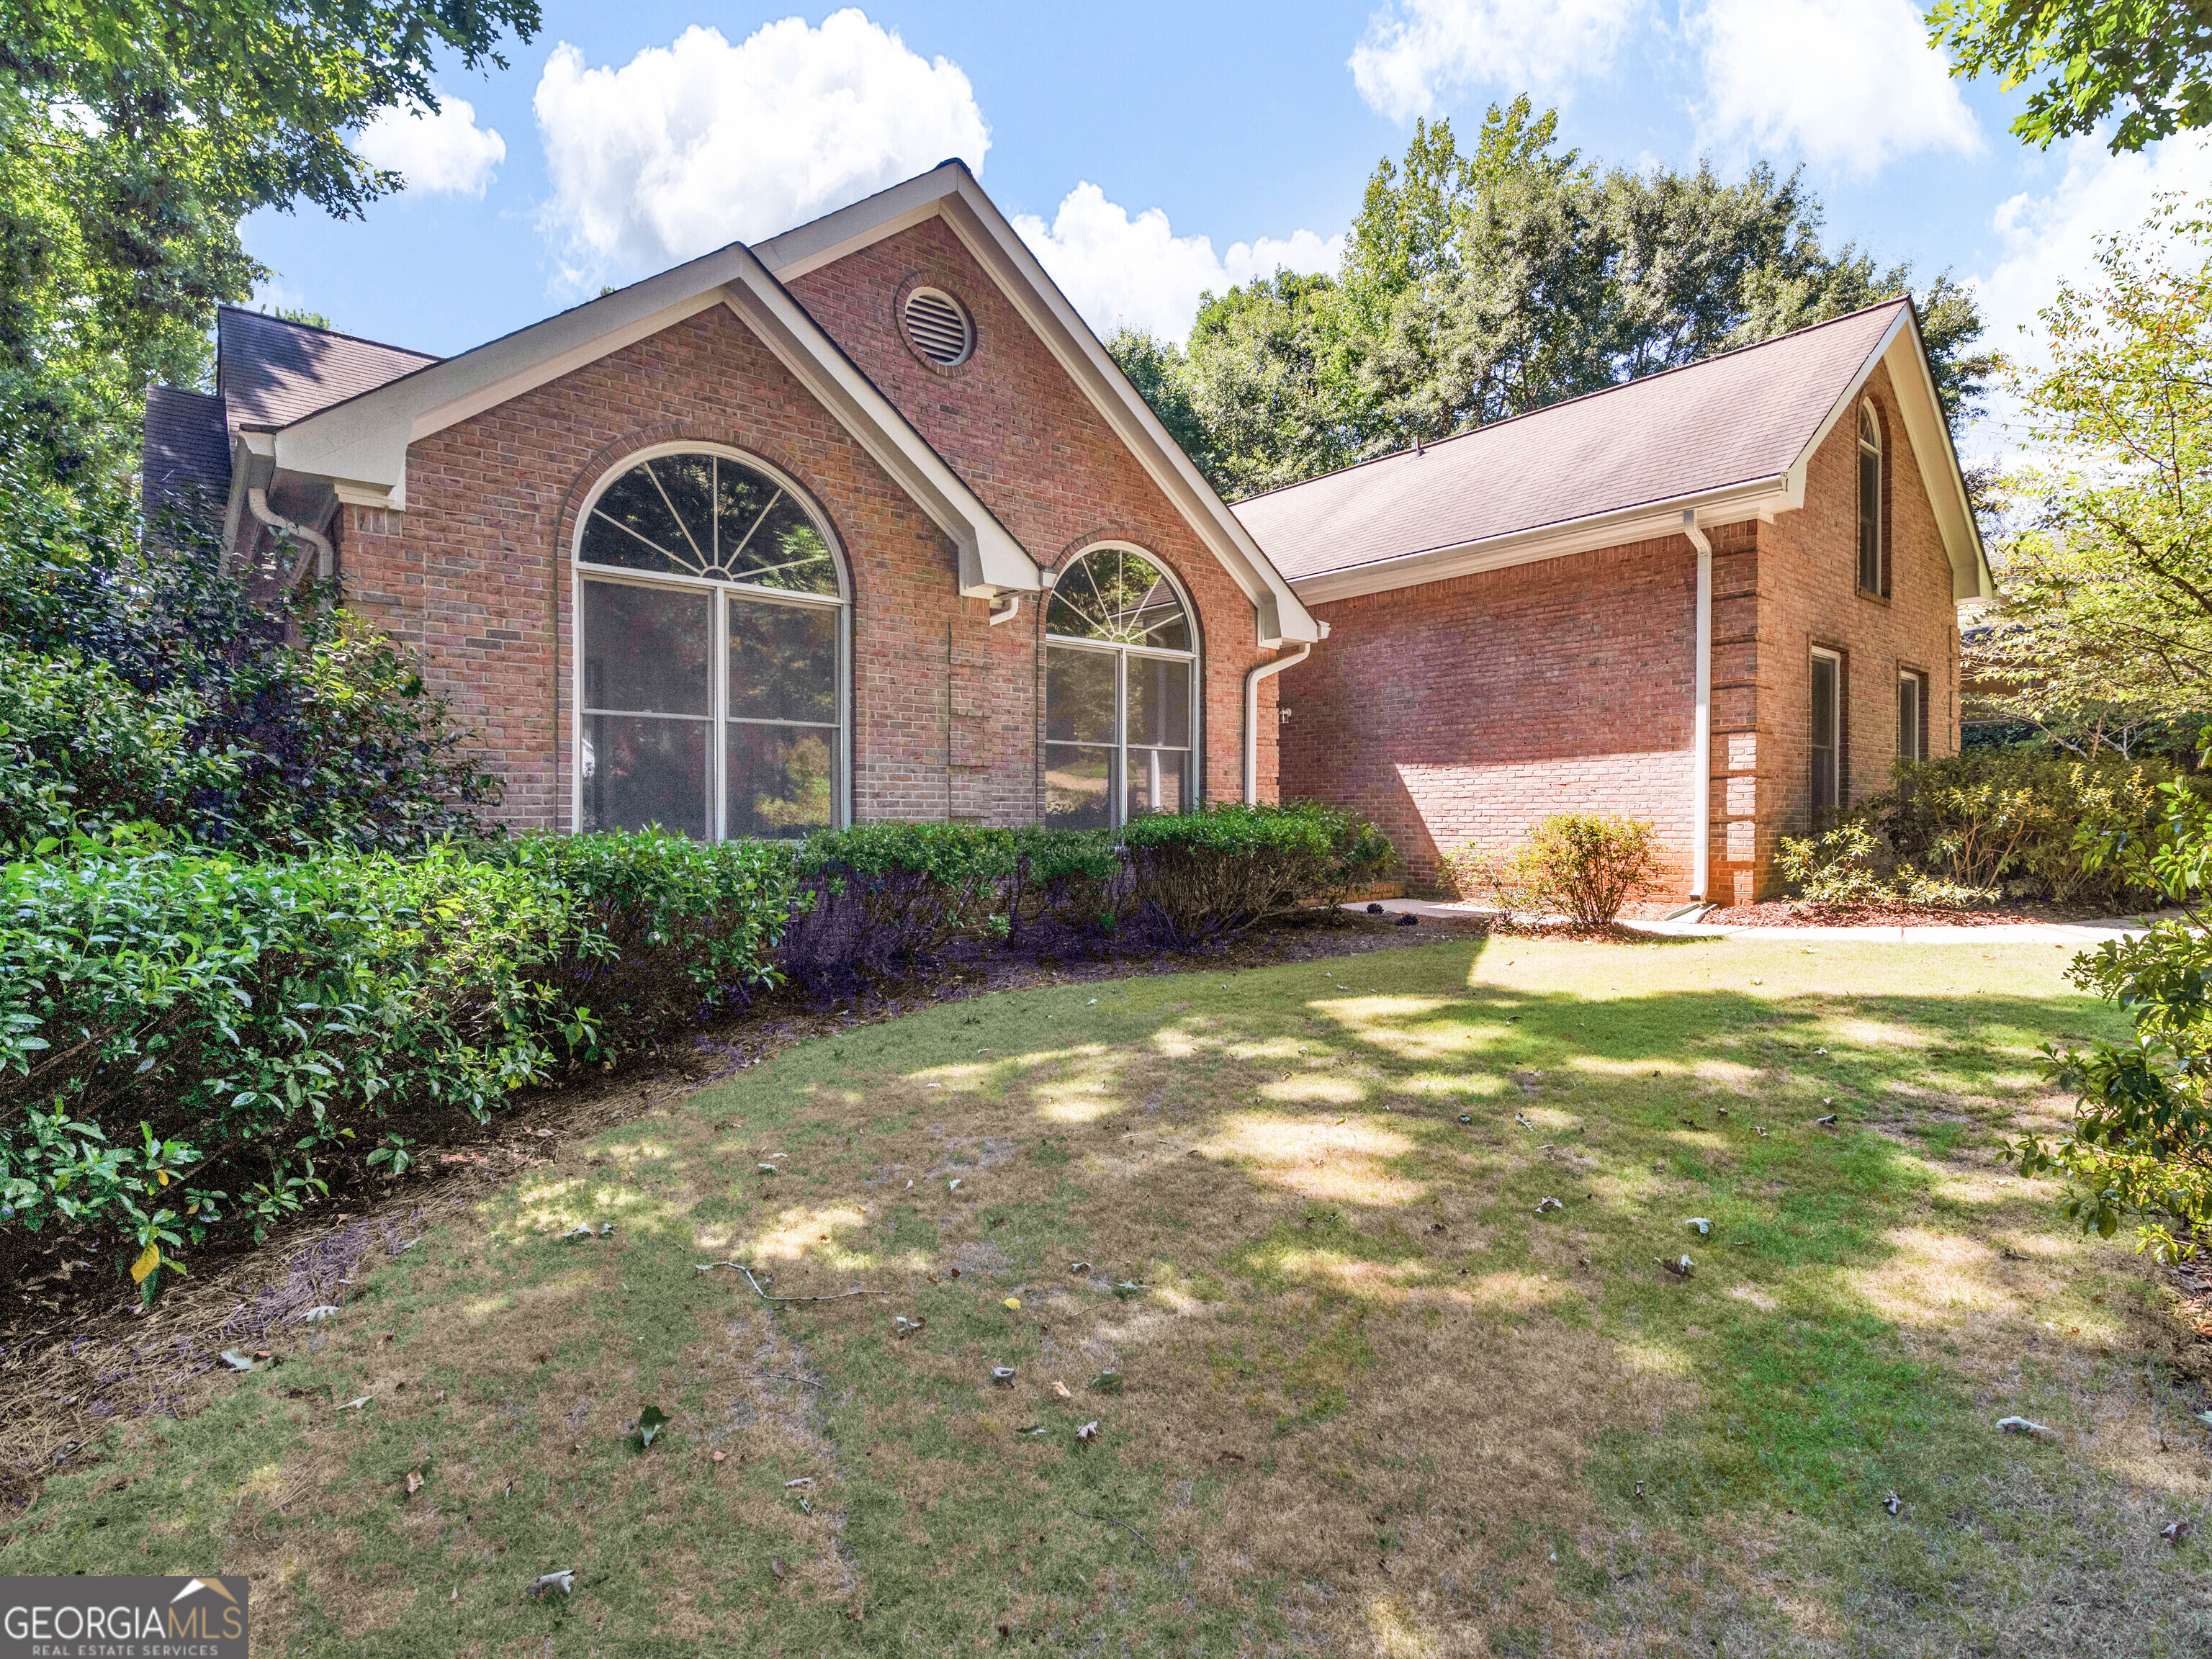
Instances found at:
x=2022 y=1426
x=1704 y=1227
x=2174 y=1531
x=721 y=1456
x=1012 y=1302
x=1681 y=1267
x=354 y=1405
x=1893 y=1503
x=1003 y=1375
x=1088 y=1432
x=236 y=1361
x=1549 y=1204
x=564 y=1581
x=775 y=1566
x=414 y=1481
x=650 y=1422
x=1059 y=1390
x=325 y=1310
x=803 y=1480
x=1078 y=1266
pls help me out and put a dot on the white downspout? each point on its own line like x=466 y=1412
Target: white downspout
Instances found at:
x=1701 y=738
x=318 y=544
x=1252 y=717
x=1013 y=610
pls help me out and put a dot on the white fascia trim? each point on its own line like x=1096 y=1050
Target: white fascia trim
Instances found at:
x=991 y=560
x=950 y=192
x=976 y=220
x=362 y=443
x=825 y=240
x=1759 y=498
x=1929 y=435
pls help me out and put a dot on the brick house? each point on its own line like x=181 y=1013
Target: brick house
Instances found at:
x=862 y=522
x=858 y=523
x=1720 y=599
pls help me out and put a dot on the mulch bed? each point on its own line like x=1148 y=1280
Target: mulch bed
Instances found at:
x=77 y=1352
x=1796 y=912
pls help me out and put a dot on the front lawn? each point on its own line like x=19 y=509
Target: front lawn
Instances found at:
x=1353 y=1393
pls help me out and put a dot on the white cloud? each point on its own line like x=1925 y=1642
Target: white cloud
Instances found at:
x=1117 y=271
x=445 y=154
x=1418 y=50
x=690 y=146
x=2052 y=236
x=1848 y=84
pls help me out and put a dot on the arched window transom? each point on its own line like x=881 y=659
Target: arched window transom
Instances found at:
x=1873 y=576
x=1121 y=708
x=712 y=652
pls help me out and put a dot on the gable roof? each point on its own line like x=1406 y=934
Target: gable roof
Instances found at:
x=352 y=428
x=187 y=457
x=1726 y=438
x=949 y=191
x=272 y=370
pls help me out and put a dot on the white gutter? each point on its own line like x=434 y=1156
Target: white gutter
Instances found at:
x=1701 y=731
x=256 y=502
x=1252 y=717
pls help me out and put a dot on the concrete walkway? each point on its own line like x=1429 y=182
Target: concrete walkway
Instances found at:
x=2019 y=933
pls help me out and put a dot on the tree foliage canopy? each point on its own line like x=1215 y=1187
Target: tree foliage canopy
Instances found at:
x=1478 y=285
x=2108 y=588
x=135 y=134
x=2150 y=59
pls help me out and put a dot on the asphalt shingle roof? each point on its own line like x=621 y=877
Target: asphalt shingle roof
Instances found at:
x=273 y=372
x=187 y=451
x=1741 y=417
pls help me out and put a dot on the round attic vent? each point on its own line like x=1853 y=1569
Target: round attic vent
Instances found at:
x=938 y=328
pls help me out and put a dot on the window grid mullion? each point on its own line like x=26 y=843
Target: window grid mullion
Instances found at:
x=1120 y=768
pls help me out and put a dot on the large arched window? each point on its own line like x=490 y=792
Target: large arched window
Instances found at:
x=1871 y=573
x=1121 y=711
x=711 y=688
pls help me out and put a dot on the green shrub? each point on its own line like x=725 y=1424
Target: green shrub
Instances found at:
x=187 y=1040
x=139 y=685
x=1584 y=866
x=2000 y=821
x=1850 y=865
x=1203 y=875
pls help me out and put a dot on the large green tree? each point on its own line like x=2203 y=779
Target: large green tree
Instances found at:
x=2149 y=60
x=1480 y=284
x=2107 y=588
x=135 y=135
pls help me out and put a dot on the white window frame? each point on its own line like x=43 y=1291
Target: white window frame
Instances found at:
x=1117 y=788
x=717 y=719
x=1871 y=446
x=1835 y=659
x=1918 y=729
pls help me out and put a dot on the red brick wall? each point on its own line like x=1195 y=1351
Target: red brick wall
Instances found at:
x=1028 y=441
x=946 y=710
x=1464 y=710
x=1808 y=582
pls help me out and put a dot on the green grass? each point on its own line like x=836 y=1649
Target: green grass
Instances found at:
x=1371 y=1402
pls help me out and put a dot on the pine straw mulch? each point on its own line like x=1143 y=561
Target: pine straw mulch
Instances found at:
x=77 y=1352
x=1799 y=913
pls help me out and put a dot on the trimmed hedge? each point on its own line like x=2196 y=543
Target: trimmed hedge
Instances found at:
x=183 y=1036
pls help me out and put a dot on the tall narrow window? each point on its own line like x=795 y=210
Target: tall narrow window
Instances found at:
x=1120 y=713
x=1826 y=735
x=711 y=696
x=1912 y=715
x=1874 y=576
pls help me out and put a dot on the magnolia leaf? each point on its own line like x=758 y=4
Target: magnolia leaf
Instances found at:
x=650 y=1422
x=237 y=1361
x=326 y=1310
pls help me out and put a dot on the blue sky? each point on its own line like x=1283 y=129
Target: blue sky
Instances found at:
x=1150 y=150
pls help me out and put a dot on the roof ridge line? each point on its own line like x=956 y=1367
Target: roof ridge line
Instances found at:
x=334 y=333
x=1579 y=397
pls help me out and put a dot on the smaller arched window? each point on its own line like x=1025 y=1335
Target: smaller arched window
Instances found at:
x=1874 y=571
x=1121 y=713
